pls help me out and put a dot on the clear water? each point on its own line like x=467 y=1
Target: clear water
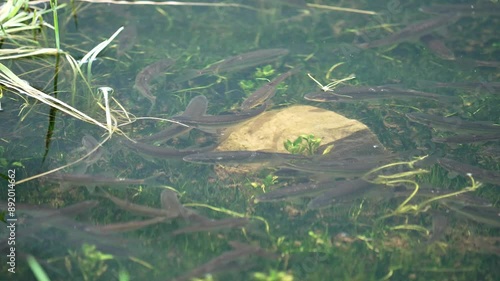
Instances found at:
x=346 y=241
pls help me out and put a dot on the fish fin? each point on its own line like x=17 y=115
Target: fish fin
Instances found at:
x=90 y=188
x=152 y=180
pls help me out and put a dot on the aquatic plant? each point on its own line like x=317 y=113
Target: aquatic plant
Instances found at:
x=335 y=82
x=229 y=212
x=407 y=178
x=263 y=72
x=273 y=275
x=15 y=20
x=247 y=85
x=37 y=269
x=268 y=181
x=115 y=115
x=91 y=262
x=385 y=248
x=303 y=144
x=18 y=16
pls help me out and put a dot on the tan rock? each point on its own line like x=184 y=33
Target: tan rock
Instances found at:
x=271 y=129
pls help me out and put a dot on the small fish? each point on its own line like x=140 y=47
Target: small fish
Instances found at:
x=162 y=152
x=297 y=190
x=468 y=63
x=454 y=124
x=414 y=30
x=482 y=175
x=242 y=157
x=486 y=215
x=42 y=217
x=47 y=224
x=171 y=204
x=89 y=144
x=489 y=86
x=91 y=181
x=437 y=46
x=197 y=107
x=207 y=122
x=246 y=60
x=229 y=260
x=147 y=74
x=354 y=94
x=360 y=144
x=235 y=63
x=123 y=227
x=340 y=190
x=138 y=209
x=76 y=208
x=468 y=138
x=341 y=166
x=40 y=212
x=266 y=92
x=213 y=225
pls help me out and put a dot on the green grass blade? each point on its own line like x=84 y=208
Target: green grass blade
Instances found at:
x=38 y=271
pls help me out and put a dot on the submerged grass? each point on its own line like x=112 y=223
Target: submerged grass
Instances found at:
x=17 y=17
x=21 y=87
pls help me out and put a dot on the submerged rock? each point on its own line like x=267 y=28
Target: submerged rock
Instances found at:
x=271 y=129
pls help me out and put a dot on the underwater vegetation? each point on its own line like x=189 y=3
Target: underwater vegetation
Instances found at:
x=114 y=116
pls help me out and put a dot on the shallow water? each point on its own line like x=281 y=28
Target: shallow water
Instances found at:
x=356 y=238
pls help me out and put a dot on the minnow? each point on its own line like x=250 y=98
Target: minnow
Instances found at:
x=242 y=156
x=436 y=45
x=341 y=189
x=170 y=202
x=468 y=138
x=197 y=107
x=487 y=176
x=219 y=121
x=353 y=94
x=138 y=209
x=212 y=225
x=235 y=63
x=297 y=190
x=162 y=151
x=266 y=92
x=226 y=260
x=452 y=123
x=414 y=30
x=123 y=227
x=91 y=181
x=144 y=77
